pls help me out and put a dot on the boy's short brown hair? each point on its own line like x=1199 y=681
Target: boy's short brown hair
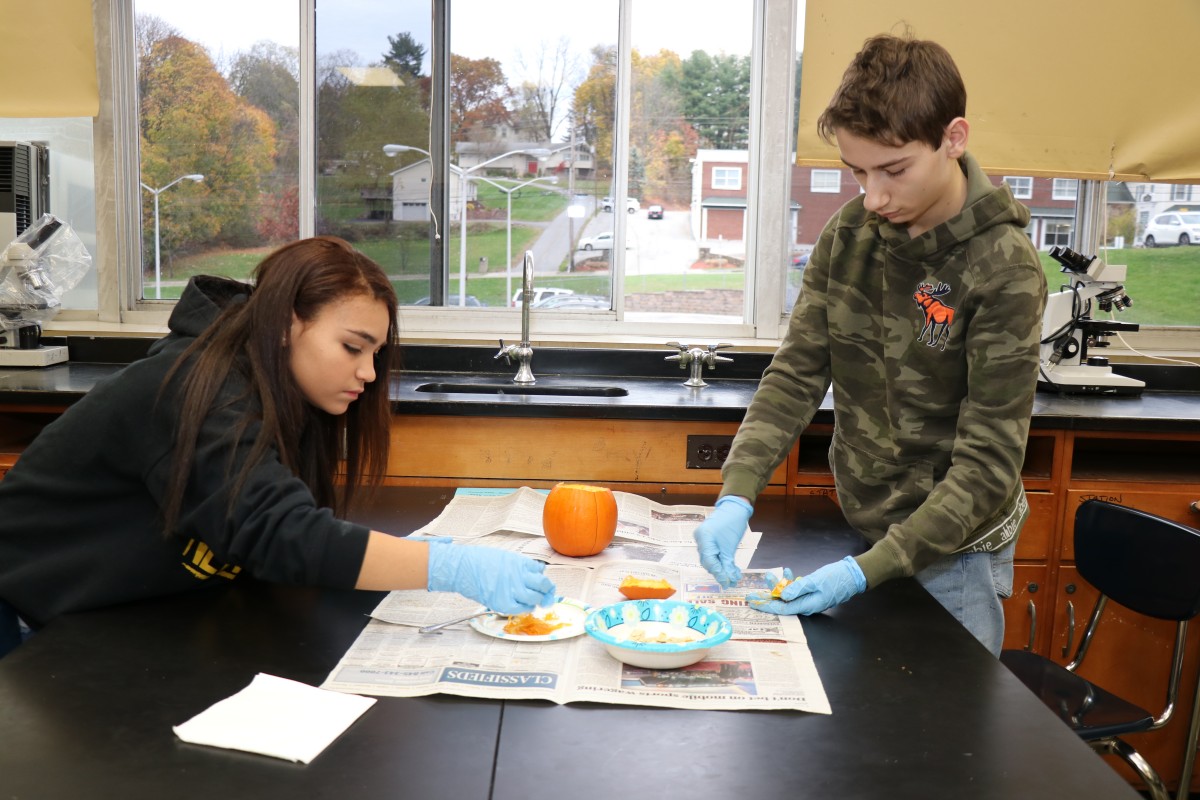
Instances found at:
x=897 y=90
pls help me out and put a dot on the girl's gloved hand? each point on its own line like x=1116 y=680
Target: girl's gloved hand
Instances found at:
x=829 y=586
x=718 y=536
x=505 y=582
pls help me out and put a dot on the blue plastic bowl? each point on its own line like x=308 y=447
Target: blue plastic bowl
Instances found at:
x=648 y=620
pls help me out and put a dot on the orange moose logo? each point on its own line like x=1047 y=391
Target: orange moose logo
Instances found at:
x=938 y=316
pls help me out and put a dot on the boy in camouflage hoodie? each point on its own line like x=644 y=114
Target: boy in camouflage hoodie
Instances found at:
x=922 y=305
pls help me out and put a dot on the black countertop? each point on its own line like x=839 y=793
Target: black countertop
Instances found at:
x=653 y=388
x=920 y=709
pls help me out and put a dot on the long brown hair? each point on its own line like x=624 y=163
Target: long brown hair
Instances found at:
x=248 y=342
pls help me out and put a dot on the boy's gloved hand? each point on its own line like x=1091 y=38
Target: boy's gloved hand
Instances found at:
x=829 y=586
x=505 y=582
x=718 y=536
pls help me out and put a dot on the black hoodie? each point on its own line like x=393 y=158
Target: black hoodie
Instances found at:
x=81 y=522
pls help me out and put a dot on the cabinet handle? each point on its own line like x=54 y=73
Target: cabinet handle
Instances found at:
x=1032 y=625
x=1195 y=506
x=1066 y=651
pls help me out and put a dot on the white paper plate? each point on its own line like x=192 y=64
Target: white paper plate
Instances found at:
x=571 y=612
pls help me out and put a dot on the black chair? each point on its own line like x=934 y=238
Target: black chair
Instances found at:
x=1149 y=565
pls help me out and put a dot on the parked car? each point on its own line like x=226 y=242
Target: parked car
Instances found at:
x=451 y=300
x=631 y=204
x=654 y=212
x=564 y=301
x=601 y=241
x=540 y=293
x=799 y=260
x=1173 y=228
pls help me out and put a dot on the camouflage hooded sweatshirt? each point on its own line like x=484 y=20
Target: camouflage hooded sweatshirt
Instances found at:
x=931 y=344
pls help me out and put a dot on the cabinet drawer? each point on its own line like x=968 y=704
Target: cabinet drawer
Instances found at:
x=521 y=449
x=1174 y=505
x=1034 y=542
x=1028 y=612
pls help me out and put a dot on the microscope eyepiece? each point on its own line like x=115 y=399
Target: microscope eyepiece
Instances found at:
x=1070 y=260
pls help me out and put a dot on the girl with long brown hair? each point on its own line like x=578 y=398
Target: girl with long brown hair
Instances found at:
x=220 y=453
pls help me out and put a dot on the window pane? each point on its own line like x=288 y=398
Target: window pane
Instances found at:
x=218 y=96
x=72 y=191
x=1163 y=269
x=373 y=90
x=688 y=153
x=531 y=107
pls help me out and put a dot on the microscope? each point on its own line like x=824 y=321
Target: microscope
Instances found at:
x=1069 y=331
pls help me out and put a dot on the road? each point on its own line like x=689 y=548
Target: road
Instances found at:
x=653 y=246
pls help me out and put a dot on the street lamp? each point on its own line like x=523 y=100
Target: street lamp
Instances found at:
x=157 y=262
x=508 y=193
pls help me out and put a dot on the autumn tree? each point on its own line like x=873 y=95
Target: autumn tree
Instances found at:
x=192 y=122
x=267 y=76
x=479 y=96
x=658 y=133
x=594 y=106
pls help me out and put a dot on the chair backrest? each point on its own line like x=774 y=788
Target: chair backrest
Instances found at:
x=1144 y=562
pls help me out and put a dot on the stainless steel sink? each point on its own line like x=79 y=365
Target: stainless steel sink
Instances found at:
x=513 y=388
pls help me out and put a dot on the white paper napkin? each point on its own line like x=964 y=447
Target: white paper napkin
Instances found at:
x=276 y=717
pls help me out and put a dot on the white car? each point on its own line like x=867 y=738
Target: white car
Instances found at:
x=601 y=241
x=540 y=293
x=631 y=204
x=1173 y=228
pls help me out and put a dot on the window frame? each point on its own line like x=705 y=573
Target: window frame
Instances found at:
x=121 y=310
x=1064 y=189
x=825 y=187
x=1021 y=186
x=727 y=179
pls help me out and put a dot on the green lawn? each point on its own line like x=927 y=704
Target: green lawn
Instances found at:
x=1163 y=282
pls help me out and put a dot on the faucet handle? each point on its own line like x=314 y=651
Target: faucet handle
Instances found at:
x=711 y=357
x=505 y=352
x=681 y=356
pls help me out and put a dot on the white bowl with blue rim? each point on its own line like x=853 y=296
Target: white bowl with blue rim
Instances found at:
x=658 y=634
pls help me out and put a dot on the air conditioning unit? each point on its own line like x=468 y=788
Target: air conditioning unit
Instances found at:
x=24 y=187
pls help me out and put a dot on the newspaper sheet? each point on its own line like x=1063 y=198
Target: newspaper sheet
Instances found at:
x=646 y=530
x=766 y=665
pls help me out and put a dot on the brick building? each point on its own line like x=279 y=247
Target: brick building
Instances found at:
x=719 y=191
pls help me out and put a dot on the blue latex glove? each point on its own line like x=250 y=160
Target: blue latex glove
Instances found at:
x=718 y=536
x=505 y=582
x=829 y=586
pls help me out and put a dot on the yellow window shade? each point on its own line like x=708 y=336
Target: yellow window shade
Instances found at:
x=48 y=59
x=1085 y=90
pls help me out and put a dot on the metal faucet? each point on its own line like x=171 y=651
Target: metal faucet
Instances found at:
x=697 y=357
x=523 y=352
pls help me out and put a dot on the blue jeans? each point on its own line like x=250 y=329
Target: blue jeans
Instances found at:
x=971 y=586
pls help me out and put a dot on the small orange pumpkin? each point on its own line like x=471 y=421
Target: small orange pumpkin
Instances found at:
x=578 y=519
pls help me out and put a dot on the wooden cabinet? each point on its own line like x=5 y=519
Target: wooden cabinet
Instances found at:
x=1160 y=474
x=18 y=427
x=1027 y=613
x=499 y=451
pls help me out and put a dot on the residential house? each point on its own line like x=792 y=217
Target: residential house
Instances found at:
x=410 y=192
x=504 y=139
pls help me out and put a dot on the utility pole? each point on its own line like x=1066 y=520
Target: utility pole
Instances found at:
x=570 y=200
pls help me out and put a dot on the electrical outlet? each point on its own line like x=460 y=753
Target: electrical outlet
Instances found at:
x=707 y=452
